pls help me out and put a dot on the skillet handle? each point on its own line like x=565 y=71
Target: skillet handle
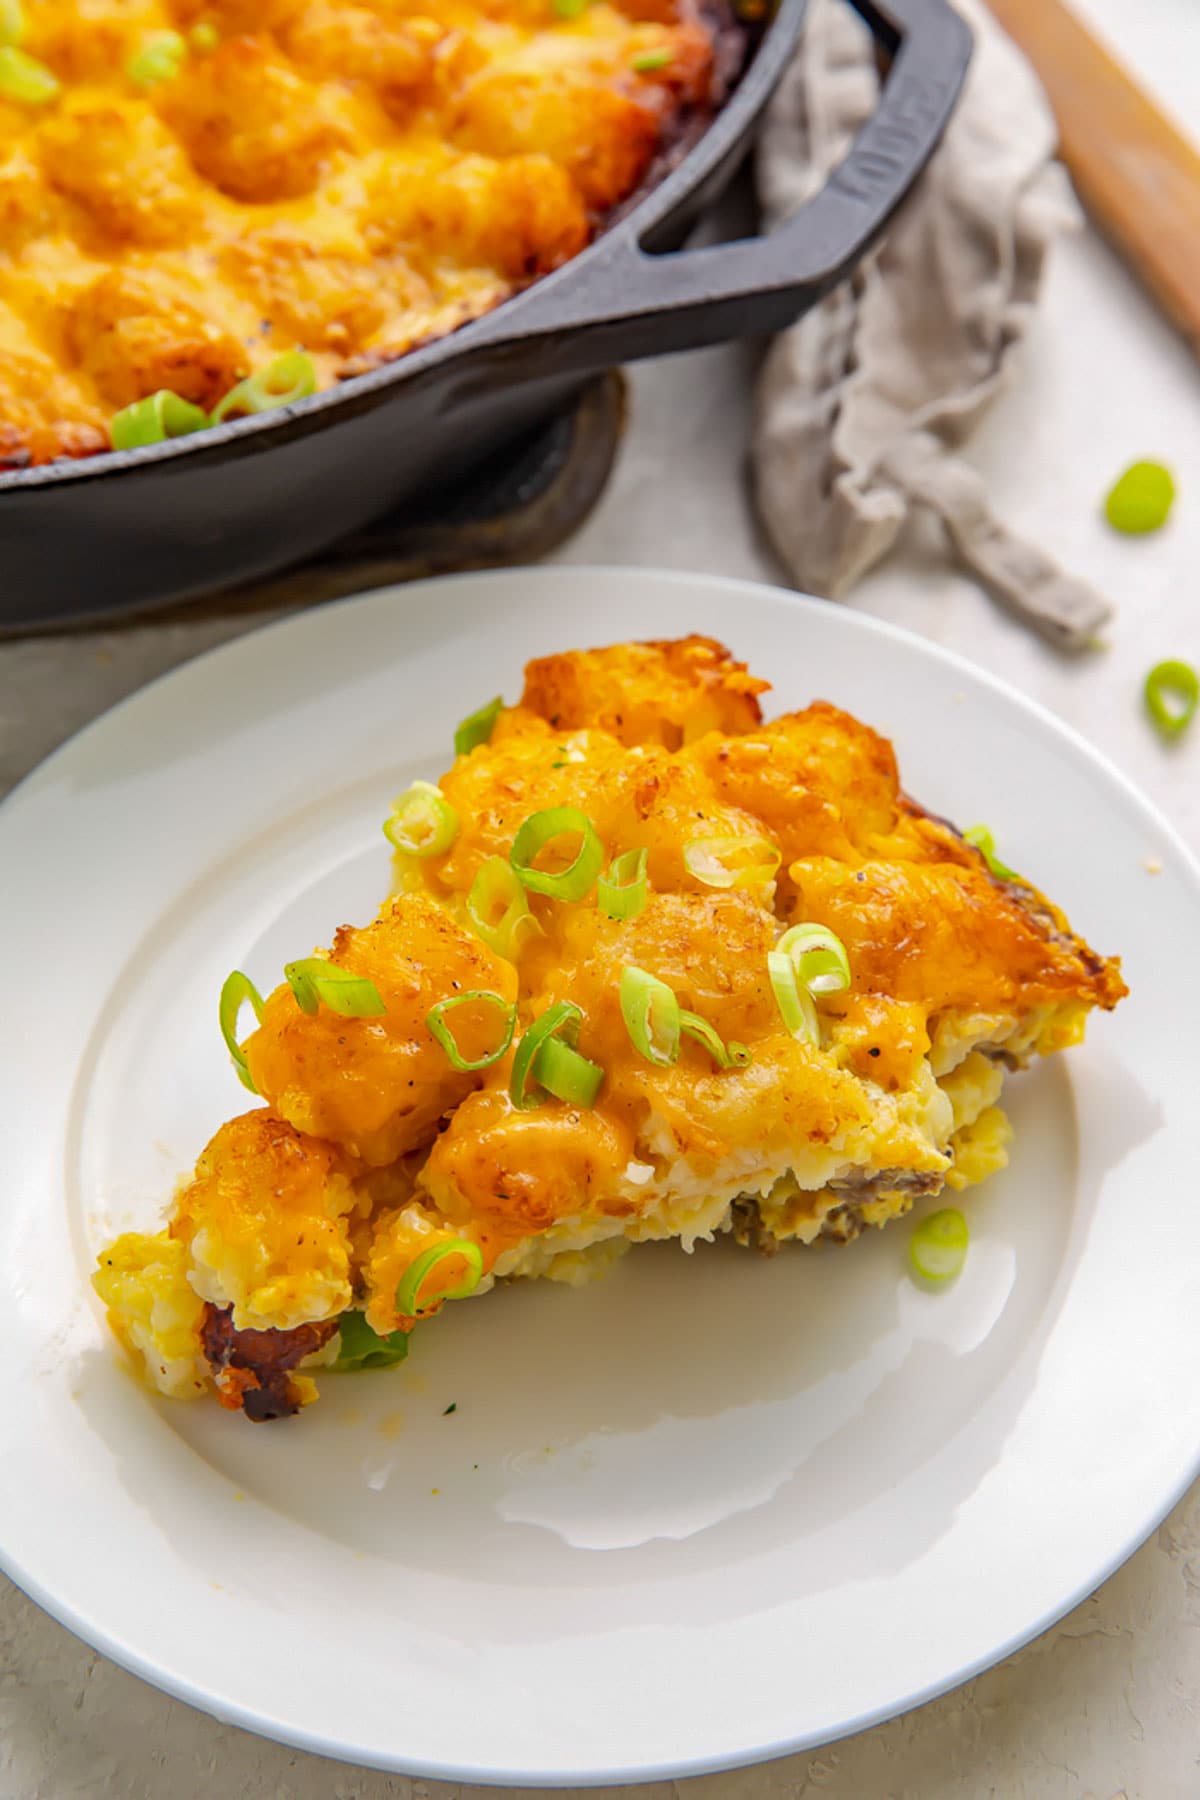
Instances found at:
x=630 y=304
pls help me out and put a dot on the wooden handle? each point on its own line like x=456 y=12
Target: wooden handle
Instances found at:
x=1138 y=176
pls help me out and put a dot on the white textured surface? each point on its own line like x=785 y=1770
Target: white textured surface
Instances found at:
x=1108 y=1703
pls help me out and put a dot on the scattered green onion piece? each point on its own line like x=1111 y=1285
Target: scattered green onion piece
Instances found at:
x=204 y=37
x=238 y=988
x=1172 y=694
x=938 y=1246
x=794 y=1001
x=159 y=58
x=477 y=727
x=314 y=980
x=739 y=1054
x=12 y=23
x=567 y=1075
x=563 y=1019
x=652 y=1016
x=1141 y=499
x=622 y=893
x=646 y=61
x=818 y=957
x=436 y=1021
x=540 y=829
x=570 y=9
x=362 y=1347
x=728 y=862
x=981 y=839
x=152 y=420
x=281 y=382
x=422 y=821
x=23 y=79
x=498 y=909
x=693 y=1026
x=408 y=1293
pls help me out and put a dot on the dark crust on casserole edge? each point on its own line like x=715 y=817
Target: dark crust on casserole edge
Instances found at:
x=253 y=1369
x=845 y=1220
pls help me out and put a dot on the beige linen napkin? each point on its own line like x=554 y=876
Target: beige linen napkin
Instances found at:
x=862 y=404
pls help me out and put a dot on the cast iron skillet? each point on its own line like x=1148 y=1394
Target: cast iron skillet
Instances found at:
x=117 y=532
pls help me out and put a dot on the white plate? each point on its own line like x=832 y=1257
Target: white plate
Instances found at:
x=704 y=1512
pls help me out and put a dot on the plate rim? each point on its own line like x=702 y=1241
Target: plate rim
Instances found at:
x=1097 y=763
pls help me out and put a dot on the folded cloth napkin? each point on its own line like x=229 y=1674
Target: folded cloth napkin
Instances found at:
x=862 y=404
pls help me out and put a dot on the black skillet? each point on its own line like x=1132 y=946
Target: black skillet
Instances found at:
x=117 y=532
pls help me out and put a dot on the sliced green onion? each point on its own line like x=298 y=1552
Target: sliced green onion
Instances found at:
x=567 y=1075
x=818 y=957
x=506 y=1021
x=693 y=1026
x=1172 y=694
x=739 y=1054
x=570 y=9
x=980 y=837
x=152 y=420
x=794 y=1001
x=728 y=862
x=1141 y=499
x=648 y=60
x=408 y=1293
x=237 y=990
x=12 y=22
x=652 y=1015
x=159 y=58
x=422 y=821
x=204 y=37
x=499 y=911
x=362 y=1347
x=563 y=1019
x=622 y=893
x=540 y=829
x=313 y=980
x=282 y=382
x=23 y=79
x=938 y=1246
x=477 y=727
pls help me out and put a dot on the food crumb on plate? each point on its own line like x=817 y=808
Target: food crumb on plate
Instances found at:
x=1153 y=865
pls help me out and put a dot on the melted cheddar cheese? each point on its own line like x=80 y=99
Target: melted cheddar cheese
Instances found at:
x=372 y=1149
x=348 y=179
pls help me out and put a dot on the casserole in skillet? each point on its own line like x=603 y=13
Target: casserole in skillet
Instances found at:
x=95 y=534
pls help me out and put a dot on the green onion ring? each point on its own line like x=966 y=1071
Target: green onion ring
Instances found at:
x=693 y=1026
x=1141 y=499
x=152 y=420
x=12 y=22
x=818 y=957
x=1172 y=693
x=981 y=839
x=732 y=862
x=436 y=1021
x=652 y=1016
x=499 y=911
x=28 y=82
x=565 y=1074
x=647 y=60
x=539 y=829
x=281 y=382
x=236 y=991
x=794 y=1001
x=158 y=58
x=937 y=1248
x=622 y=893
x=563 y=1019
x=313 y=979
x=422 y=821
x=570 y=9
x=477 y=727
x=408 y=1293
x=362 y=1347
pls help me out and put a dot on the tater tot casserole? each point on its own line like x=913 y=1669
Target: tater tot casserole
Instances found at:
x=210 y=207
x=651 y=968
